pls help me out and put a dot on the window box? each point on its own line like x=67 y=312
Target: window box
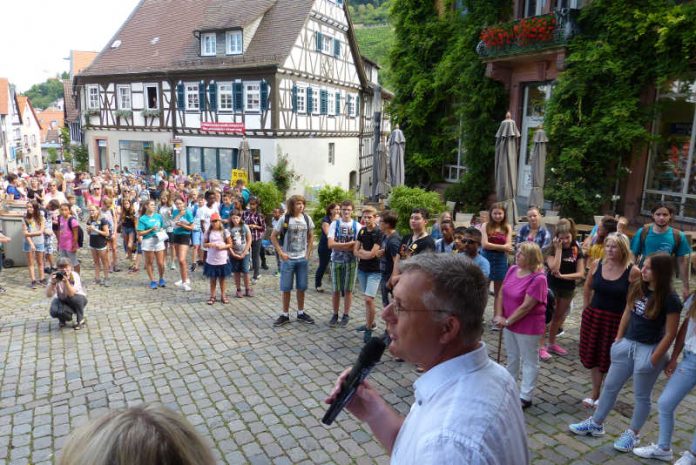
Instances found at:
x=124 y=113
x=92 y=112
x=149 y=113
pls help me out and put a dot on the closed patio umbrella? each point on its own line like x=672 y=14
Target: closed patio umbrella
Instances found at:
x=538 y=160
x=244 y=160
x=397 y=149
x=506 y=166
x=382 y=188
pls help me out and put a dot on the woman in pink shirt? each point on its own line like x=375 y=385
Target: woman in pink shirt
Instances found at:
x=522 y=311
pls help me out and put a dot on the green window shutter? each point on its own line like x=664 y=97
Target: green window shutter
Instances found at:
x=349 y=100
x=180 y=99
x=337 y=48
x=212 y=94
x=238 y=96
x=357 y=105
x=323 y=102
x=294 y=98
x=201 y=95
x=319 y=39
x=264 y=95
x=310 y=100
x=338 y=103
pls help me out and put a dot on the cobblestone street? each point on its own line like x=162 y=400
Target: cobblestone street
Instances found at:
x=254 y=391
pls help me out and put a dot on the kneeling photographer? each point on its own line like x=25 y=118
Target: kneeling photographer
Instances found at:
x=69 y=296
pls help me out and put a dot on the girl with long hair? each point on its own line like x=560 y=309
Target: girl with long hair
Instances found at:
x=217 y=266
x=534 y=230
x=604 y=301
x=647 y=329
x=165 y=211
x=128 y=220
x=566 y=264
x=182 y=219
x=33 y=228
x=108 y=211
x=151 y=229
x=496 y=242
x=98 y=231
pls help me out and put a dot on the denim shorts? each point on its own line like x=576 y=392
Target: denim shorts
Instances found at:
x=196 y=237
x=240 y=266
x=27 y=248
x=297 y=268
x=369 y=282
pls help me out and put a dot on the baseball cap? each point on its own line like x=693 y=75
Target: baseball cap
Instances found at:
x=215 y=217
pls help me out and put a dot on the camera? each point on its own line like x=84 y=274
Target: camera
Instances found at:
x=59 y=275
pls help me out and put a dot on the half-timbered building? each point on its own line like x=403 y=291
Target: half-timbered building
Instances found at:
x=200 y=75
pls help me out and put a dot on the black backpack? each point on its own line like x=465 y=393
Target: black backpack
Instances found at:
x=286 y=224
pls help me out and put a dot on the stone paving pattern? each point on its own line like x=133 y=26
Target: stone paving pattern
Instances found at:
x=254 y=391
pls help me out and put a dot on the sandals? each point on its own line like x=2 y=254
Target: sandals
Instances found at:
x=224 y=300
x=133 y=269
x=212 y=300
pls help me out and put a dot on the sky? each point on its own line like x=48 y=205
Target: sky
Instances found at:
x=37 y=35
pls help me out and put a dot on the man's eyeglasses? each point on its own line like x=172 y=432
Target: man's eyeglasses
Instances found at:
x=399 y=309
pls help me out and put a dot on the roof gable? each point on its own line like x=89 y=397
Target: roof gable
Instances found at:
x=158 y=36
x=4 y=96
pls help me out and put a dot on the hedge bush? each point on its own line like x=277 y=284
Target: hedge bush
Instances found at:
x=403 y=200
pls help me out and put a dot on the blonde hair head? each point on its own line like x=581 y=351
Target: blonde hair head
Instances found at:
x=143 y=435
x=621 y=241
x=532 y=256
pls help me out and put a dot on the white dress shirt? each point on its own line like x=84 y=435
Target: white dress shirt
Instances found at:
x=467 y=411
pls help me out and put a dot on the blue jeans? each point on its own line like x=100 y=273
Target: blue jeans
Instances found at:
x=679 y=385
x=297 y=268
x=630 y=358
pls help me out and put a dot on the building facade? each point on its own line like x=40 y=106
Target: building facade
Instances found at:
x=30 y=130
x=285 y=74
x=10 y=128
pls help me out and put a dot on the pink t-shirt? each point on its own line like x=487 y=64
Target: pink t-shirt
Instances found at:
x=216 y=256
x=514 y=291
x=65 y=236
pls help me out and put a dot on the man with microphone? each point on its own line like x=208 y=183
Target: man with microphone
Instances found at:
x=467 y=408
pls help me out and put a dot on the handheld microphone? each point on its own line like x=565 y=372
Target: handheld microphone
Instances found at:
x=368 y=358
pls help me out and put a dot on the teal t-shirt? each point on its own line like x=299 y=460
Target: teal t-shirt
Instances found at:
x=146 y=222
x=186 y=218
x=663 y=242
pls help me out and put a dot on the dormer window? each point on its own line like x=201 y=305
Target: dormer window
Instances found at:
x=208 y=44
x=235 y=43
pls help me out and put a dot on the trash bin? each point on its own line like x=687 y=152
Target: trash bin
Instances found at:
x=16 y=206
x=12 y=228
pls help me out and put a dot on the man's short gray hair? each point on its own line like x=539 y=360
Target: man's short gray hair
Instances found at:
x=459 y=288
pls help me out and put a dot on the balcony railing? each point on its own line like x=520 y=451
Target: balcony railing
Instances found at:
x=529 y=35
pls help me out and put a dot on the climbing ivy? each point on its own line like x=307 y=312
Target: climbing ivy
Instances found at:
x=598 y=116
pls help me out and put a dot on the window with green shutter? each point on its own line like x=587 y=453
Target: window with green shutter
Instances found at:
x=294 y=98
x=338 y=103
x=180 y=102
x=264 y=95
x=323 y=102
x=319 y=40
x=337 y=48
x=201 y=96
x=212 y=95
x=310 y=100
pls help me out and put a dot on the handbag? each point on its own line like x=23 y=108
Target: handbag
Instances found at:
x=162 y=235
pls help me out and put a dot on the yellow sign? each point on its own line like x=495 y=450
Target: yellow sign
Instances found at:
x=238 y=174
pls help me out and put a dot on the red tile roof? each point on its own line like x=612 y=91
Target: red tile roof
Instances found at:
x=4 y=96
x=176 y=49
x=72 y=115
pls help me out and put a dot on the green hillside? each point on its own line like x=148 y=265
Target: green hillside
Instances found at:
x=375 y=43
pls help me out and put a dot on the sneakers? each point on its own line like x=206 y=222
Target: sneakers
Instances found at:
x=276 y=274
x=162 y=283
x=306 y=319
x=363 y=328
x=344 y=320
x=556 y=349
x=367 y=335
x=153 y=284
x=172 y=266
x=334 y=320
x=264 y=266
x=544 y=354
x=105 y=283
x=687 y=458
x=319 y=289
x=587 y=428
x=186 y=287
x=653 y=451
x=627 y=441
x=77 y=326
x=179 y=283
x=525 y=404
x=239 y=294
x=560 y=332
x=282 y=320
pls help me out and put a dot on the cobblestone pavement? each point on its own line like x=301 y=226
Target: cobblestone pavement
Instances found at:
x=254 y=391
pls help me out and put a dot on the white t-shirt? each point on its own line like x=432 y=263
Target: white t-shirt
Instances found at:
x=204 y=213
x=295 y=240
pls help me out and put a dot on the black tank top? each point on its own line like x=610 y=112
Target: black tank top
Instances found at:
x=610 y=295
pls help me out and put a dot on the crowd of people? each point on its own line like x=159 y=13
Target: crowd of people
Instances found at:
x=433 y=285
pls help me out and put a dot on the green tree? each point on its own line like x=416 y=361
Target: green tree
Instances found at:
x=44 y=94
x=81 y=156
x=161 y=158
x=283 y=174
x=325 y=197
x=268 y=194
x=52 y=155
x=403 y=200
x=597 y=117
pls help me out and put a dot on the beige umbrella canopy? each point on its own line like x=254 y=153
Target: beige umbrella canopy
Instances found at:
x=397 y=147
x=383 y=187
x=506 y=166
x=244 y=160
x=538 y=161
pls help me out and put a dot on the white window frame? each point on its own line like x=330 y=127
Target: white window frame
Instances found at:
x=331 y=102
x=327 y=44
x=302 y=99
x=352 y=107
x=251 y=89
x=225 y=89
x=208 y=44
x=147 y=100
x=127 y=102
x=93 y=97
x=191 y=96
x=316 y=103
x=332 y=153
x=234 y=38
